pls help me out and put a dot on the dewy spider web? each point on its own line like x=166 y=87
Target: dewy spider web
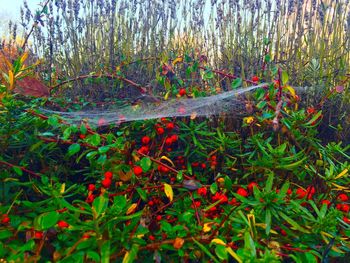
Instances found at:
x=226 y=102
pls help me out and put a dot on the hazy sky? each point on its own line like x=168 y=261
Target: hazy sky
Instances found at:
x=11 y=7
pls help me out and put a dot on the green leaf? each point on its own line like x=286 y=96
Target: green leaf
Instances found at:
x=53 y=121
x=93 y=255
x=17 y=170
x=179 y=176
x=221 y=252
x=103 y=149
x=228 y=183
x=130 y=256
x=293 y=223
x=269 y=182
x=236 y=83
x=268 y=221
x=213 y=188
x=46 y=220
x=249 y=244
x=267 y=58
x=317 y=115
x=285 y=77
x=73 y=149
x=105 y=251
x=142 y=193
x=119 y=203
x=4 y=234
x=208 y=75
x=146 y=164
x=95 y=140
x=99 y=205
x=206 y=251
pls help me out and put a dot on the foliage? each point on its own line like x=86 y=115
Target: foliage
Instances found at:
x=268 y=186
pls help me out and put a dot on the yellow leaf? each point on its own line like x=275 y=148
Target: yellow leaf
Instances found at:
x=248 y=120
x=167 y=159
x=207 y=227
x=341 y=174
x=63 y=188
x=24 y=57
x=291 y=90
x=339 y=186
x=131 y=209
x=177 y=60
x=11 y=79
x=169 y=191
x=218 y=241
x=193 y=115
x=126 y=257
x=166 y=97
x=178 y=243
x=234 y=255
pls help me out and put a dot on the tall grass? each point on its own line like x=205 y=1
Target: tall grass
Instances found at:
x=309 y=38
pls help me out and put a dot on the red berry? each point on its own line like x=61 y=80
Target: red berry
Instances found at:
x=233 y=202
x=255 y=78
x=90 y=199
x=150 y=203
x=163 y=169
x=182 y=92
x=289 y=191
x=301 y=193
x=170 y=126
x=86 y=236
x=151 y=237
x=203 y=165
x=5 y=220
x=251 y=186
x=310 y=192
x=62 y=224
x=160 y=130
x=343 y=197
x=144 y=150
x=196 y=204
x=346 y=220
x=106 y=183
x=326 y=202
x=145 y=140
x=242 y=192
x=283 y=232
x=91 y=187
x=168 y=141
x=345 y=208
x=82 y=136
x=38 y=235
x=174 y=138
x=108 y=174
x=202 y=191
x=62 y=210
x=159 y=217
x=137 y=170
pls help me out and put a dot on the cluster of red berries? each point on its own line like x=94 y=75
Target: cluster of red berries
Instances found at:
x=91 y=197
x=198 y=164
x=145 y=140
x=107 y=181
x=308 y=193
x=213 y=161
x=163 y=169
x=342 y=206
